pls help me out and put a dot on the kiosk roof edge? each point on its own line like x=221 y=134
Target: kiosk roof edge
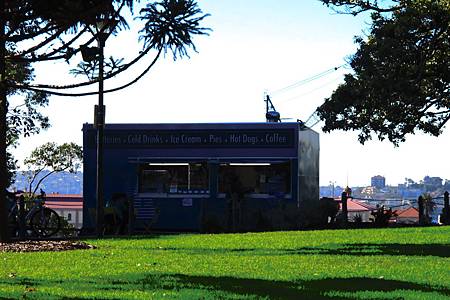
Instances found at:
x=223 y=125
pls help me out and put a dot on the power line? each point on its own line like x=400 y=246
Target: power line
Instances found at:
x=284 y=101
x=313 y=119
x=306 y=80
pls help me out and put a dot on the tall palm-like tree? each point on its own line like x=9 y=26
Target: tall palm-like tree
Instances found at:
x=56 y=31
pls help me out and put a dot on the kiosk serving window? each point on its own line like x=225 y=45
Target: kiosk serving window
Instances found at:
x=255 y=178
x=176 y=178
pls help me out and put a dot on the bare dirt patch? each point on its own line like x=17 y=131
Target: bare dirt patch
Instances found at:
x=38 y=246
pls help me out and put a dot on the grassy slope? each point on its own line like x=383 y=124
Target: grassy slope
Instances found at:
x=410 y=263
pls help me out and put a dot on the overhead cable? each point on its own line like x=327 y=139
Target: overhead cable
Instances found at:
x=306 y=80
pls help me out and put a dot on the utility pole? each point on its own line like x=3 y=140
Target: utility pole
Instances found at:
x=103 y=29
x=100 y=123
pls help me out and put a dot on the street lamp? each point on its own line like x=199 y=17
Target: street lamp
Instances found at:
x=101 y=31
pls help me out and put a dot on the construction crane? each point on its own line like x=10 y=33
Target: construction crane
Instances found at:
x=273 y=116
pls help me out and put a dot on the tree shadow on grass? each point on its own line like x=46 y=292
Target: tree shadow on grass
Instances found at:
x=32 y=288
x=313 y=289
x=439 y=250
x=300 y=289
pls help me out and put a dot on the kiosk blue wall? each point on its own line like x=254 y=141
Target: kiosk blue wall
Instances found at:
x=206 y=177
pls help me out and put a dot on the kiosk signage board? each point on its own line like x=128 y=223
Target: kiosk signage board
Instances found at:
x=198 y=138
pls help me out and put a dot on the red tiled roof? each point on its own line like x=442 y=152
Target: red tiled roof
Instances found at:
x=410 y=212
x=355 y=205
x=64 y=201
x=64 y=204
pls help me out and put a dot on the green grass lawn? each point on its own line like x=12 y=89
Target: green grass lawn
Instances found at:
x=408 y=263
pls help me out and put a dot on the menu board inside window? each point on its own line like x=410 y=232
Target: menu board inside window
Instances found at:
x=174 y=178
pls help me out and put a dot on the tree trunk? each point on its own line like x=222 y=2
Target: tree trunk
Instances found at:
x=4 y=236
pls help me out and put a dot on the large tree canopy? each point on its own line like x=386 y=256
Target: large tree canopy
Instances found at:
x=401 y=72
x=33 y=31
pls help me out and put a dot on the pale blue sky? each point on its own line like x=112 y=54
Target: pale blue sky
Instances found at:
x=255 y=45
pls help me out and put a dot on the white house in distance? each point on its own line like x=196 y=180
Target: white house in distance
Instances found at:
x=357 y=208
x=69 y=206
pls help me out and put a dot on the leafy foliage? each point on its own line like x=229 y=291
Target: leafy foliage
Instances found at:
x=170 y=25
x=355 y=7
x=23 y=118
x=11 y=164
x=428 y=208
x=56 y=30
x=90 y=69
x=381 y=216
x=28 y=19
x=50 y=156
x=401 y=79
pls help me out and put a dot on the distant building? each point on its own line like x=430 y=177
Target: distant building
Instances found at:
x=378 y=181
x=69 y=206
x=432 y=183
x=357 y=209
x=407 y=216
x=368 y=191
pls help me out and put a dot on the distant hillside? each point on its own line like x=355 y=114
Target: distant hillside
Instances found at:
x=63 y=182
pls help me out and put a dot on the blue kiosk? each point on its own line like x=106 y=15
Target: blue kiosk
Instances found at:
x=206 y=177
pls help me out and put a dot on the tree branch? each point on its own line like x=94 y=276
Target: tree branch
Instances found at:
x=430 y=104
x=21 y=37
x=107 y=76
x=42 y=179
x=440 y=112
x=356 y=7
x=444 y=122
x=88 y=93
x=66 y=45
x=34 y=177
x=48 y=56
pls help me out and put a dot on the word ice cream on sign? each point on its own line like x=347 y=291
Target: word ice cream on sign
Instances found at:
x=134 y=139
